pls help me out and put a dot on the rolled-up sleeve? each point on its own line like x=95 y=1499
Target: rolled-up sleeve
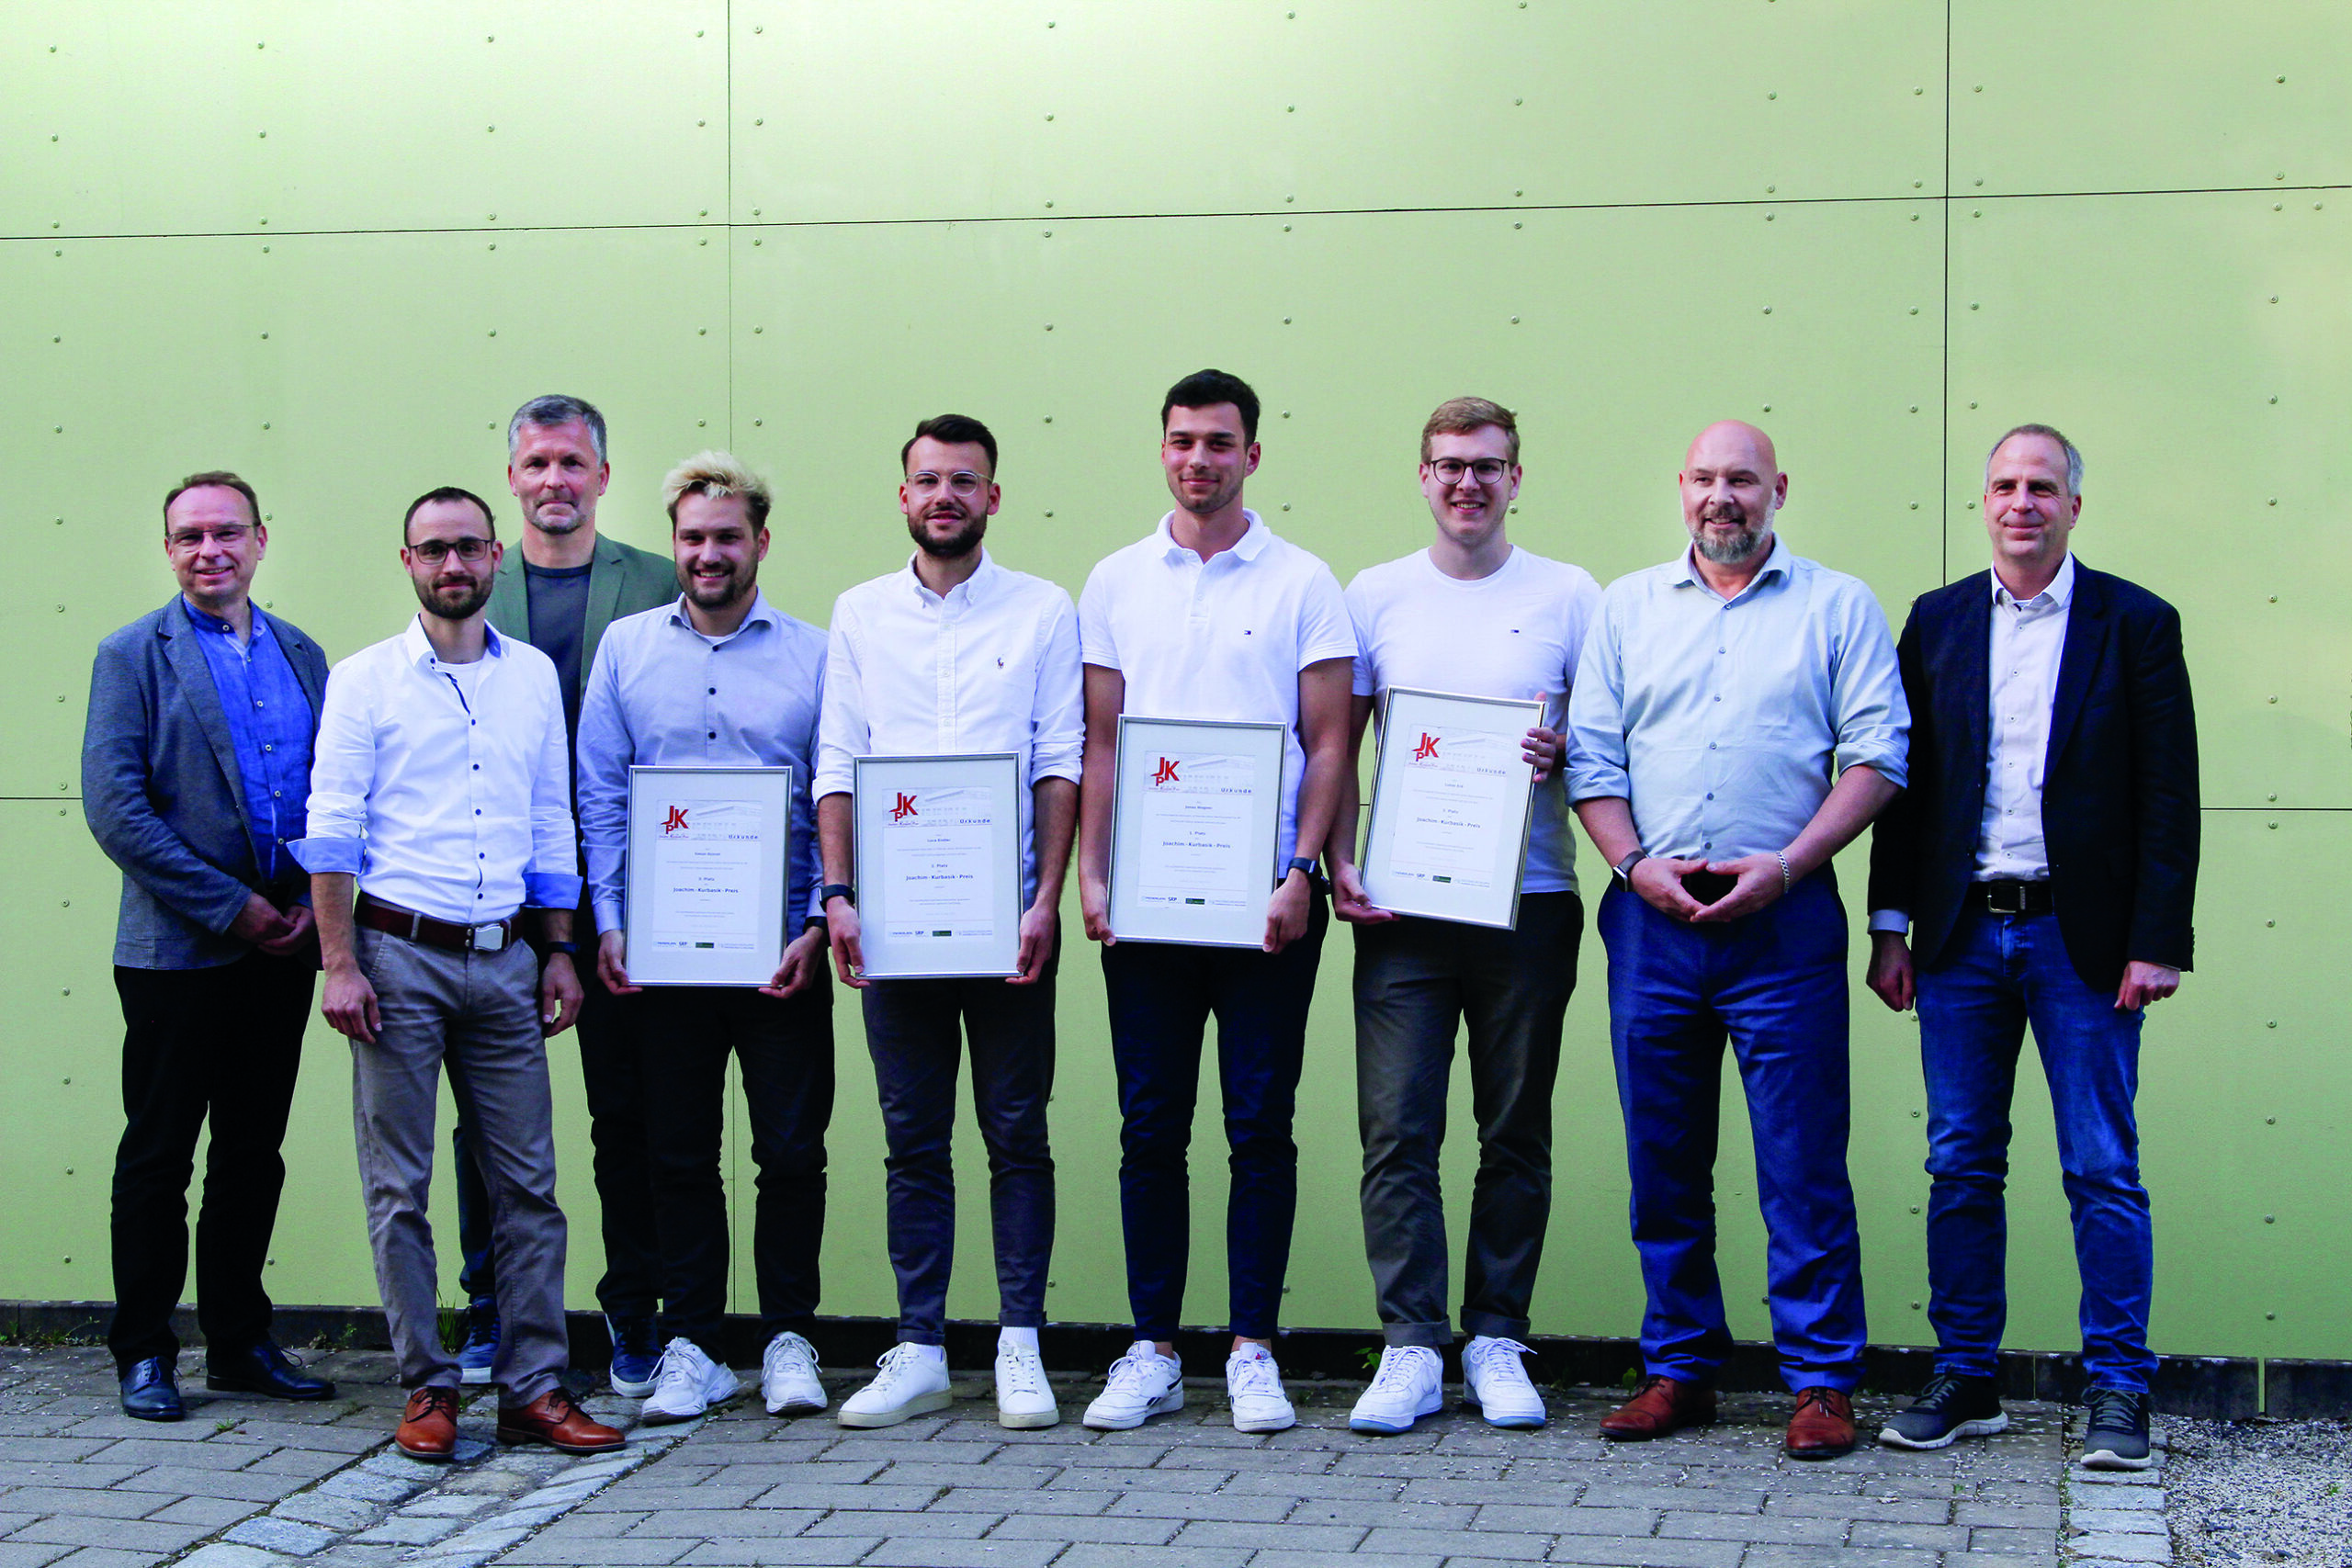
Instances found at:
x=343 y=775
x=1057 y=729
x=1596 y=754
x=844 y=734
x=605 y=750
x=552 y=879
x=1872 y=717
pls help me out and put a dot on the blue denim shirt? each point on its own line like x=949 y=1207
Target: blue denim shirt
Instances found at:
x=270 y=723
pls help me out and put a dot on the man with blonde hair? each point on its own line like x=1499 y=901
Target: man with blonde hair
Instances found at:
x=1472 y=613
x=719 y=678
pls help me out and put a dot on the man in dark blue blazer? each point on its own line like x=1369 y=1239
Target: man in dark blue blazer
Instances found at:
x=195 y=771
x=2044 y=860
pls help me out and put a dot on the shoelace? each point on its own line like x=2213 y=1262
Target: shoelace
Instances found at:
x=788 y=1348
x=896 y=1363
x=1939 y=1393
x=1021 y=1370
x=677 y=1366
x=1817 y=1397
x=1501 y=1354
x=444 y=1400
x=1131 y=1374
x=2113 y=1409
x=1395 y=1372
x=1256 y=1375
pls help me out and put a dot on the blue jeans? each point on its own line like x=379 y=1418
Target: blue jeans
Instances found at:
x=1160 y=996
x=2000 y=973
x=1775 y=983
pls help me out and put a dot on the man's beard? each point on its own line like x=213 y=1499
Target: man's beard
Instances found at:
x=959 y=543
x=1753 y=536
x=430 y=596
x=1214 y=501
x=559 y=526
x=706 y=595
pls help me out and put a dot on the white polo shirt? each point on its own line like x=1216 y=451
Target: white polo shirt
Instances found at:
x=1224 y=638
x=991 y=667
x=1515 y=633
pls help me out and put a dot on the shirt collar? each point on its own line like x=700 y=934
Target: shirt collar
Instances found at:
x=418 y=648
x=976 y=588
x=205 y=621
x=2060 y=593
x=762 y=614
x=1685 y=570
x=1250 y=546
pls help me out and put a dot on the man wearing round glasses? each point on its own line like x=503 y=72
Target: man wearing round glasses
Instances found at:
x=954 y=653
x=1475 y=615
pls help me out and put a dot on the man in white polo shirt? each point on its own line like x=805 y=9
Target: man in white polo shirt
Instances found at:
x=1211 y=616
x=1474 y=614
x=950 y=654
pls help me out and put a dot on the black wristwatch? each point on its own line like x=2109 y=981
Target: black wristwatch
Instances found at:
x=1300 y=863
x=571 y=948
x=833 y=890
x=1623 y=871
x=823 y=925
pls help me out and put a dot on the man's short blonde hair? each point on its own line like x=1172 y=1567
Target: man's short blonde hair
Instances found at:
x=717 y=475
x=1459 y=416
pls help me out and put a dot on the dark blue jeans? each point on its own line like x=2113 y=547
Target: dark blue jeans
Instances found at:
x=1998 y=974
x=1161 y=995
x=1775 y=983
x=915 y=1032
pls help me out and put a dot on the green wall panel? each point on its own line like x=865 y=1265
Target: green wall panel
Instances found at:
x=278 y=115
x=2193 y=346
x=906 y=108
x=2149 y=95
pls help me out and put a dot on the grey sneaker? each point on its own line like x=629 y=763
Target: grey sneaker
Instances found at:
x=2118 y=1439
x=1950 y=1408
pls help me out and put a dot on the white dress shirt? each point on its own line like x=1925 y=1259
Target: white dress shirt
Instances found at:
x=1723 y=722
x=447 y=789
x=2028 y=639
x=1516 y=632
x=991 y=667
x=1224 y=638
x=661 y=692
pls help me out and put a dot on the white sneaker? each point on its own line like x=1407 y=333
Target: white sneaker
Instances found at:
x=1253 y=1386
x=1496 y=1380
x=685 y=1383
x=911 y=1383
x=1408 y=1386
x=1143 y=1384
x=1024 y=1399
x=789 y=1376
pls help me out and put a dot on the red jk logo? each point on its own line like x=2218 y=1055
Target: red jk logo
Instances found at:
x=1167 y=773
x=677 y=821
x=904 y=809
x=1427 y=750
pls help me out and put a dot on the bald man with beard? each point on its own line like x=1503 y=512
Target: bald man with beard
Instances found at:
x=1737 y=719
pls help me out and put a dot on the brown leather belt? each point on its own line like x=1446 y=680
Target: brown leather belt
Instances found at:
x=2010 y=897
x=424 y=930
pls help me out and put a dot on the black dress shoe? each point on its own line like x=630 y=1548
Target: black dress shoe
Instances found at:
x=262 y=1369
x=149 y=1394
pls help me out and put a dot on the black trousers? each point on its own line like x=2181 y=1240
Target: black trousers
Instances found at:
x=915 y=1030
x=223 y=1043
x=785 y=1052
x=611 y=1072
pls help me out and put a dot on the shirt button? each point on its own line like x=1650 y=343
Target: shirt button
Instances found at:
x=1711 y=795
x=714 y=691
x=477 y=767
x=713 y=735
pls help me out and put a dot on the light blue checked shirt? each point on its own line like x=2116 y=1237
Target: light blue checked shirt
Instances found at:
x=1725 y=722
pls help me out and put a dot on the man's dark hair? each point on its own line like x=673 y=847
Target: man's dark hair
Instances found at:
x=1206 y=388
x=221 y=476
x=447 y=493
x=953 y=430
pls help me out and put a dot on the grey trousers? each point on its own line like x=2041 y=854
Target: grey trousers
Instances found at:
x=1416 y=982
x=478 y=1013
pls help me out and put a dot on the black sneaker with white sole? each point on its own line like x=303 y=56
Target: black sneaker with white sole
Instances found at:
x=1950 y=1408
x=2118 y=1439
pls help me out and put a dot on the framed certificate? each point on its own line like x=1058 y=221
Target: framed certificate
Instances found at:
x=1195 y=821
x=938 y=848
x=1452 y=796
x=708 y=861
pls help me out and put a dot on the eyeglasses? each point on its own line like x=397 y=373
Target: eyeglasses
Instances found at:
x=433 y=552
x=228 y=537
x=963 y=482
x=1486 y=471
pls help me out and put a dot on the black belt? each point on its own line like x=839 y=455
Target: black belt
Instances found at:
x=2010 y=897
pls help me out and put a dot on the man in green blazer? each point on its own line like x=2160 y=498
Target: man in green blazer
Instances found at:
x=559 y=592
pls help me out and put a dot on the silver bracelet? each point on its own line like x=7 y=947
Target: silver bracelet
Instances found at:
x=1784 y=859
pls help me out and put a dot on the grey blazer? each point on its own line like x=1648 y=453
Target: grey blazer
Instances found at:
x=160 y=790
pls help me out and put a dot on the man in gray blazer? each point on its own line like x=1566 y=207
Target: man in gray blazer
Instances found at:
x=196 y=772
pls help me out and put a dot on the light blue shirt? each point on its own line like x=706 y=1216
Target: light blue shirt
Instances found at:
x=270 y=728
x=1723 y=722
x=661 y=692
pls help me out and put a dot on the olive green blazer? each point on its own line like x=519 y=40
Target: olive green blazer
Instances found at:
x=622 y=580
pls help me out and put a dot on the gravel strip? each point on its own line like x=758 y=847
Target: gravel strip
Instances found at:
x=2261 y=1491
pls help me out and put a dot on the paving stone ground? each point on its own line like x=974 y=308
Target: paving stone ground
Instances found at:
x=248 y=1484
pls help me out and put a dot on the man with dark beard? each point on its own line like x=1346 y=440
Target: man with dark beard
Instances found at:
x=1718 y=697
x=441 y=794
x=956 y=654
x=719 y=678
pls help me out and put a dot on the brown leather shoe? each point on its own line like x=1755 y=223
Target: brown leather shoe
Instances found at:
x=554 y=1420
x=428 y=1428
x=1823 y=1427
x=1661 y=1406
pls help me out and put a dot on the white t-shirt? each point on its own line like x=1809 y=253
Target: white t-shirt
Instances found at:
x=1224 y=638
x=1514 y=634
